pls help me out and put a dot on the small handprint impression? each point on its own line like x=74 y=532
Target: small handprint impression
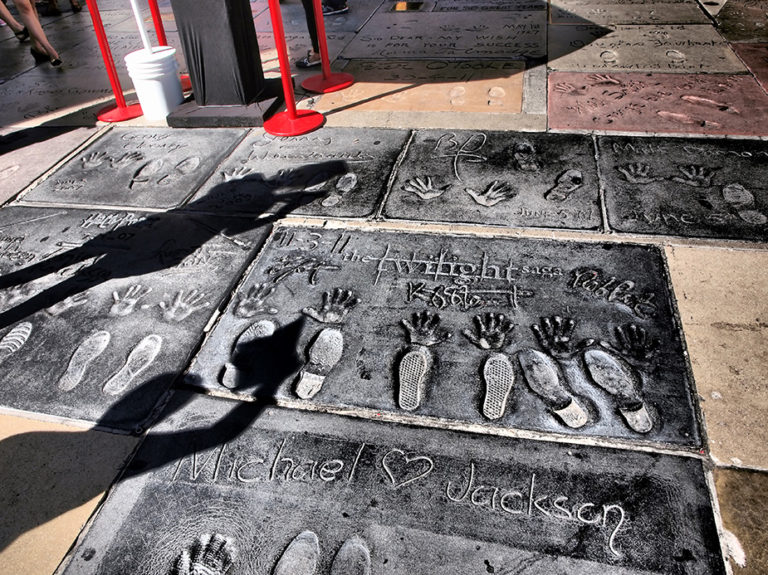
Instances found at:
x=125 y=304
x=695 y=176
x=554 y=335
x=424 y=187
x=497 y=191
x=253 y=302
x=336 y=305
x=638 y=173
x=424 y=329
x=93 y=160
x=183 y=306
x=126 y=159
x=635 y=342
x=236 y=174
x=72 y=301
x=491 y=331
x=210 y=554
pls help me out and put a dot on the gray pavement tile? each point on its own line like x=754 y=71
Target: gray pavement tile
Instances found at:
x=294 y=18
x=138 y=167
x=487 y=5
x=509 y=35
x=743 y=21
x=445 y=328
x=27 y=153
x=607 y=12
x=262 y=490
x=340 y=172
x=498 y=178
x=690 y=188
x=662 y=48
x=100 y=310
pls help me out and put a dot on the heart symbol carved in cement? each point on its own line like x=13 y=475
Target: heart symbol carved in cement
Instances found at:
x=403 y=469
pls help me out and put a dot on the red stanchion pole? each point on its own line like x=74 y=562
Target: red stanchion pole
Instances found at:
x=292 y=122
x=157 y=20
x=327 y=81
x=122 y=111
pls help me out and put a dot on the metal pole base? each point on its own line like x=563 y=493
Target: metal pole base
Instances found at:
x=117 y=114
x=322 y=84
x=282 y=124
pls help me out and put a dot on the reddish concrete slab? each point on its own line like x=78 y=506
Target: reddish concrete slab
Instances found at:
x=755 y=56
x=667 y=103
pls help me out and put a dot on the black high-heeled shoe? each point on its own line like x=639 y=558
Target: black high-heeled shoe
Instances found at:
x=22 y=34
x=76 y=6
x=41 y=57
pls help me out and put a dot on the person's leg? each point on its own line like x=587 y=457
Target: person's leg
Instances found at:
x=313 y=56
x=28 y=16
x=13 y=24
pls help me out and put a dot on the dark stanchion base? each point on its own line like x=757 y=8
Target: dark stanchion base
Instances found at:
x=283 y=124
x=333 y=83
x=114 y=113
x=192 y=115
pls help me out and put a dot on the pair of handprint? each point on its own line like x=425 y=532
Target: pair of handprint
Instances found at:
x=497 y=191
x=175 y=309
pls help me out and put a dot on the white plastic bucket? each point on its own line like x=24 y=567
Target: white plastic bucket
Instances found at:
x=155 y=77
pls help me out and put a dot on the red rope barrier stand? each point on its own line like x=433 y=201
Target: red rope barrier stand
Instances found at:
x=327 y=81
x=121 y=111
x=157 y=20
x=292 y=122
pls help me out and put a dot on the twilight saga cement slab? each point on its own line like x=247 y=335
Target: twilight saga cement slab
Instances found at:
x=138 y=167
x=430 y=86
x=671 y=103
x=268 y=491
x=494 y=333
x=680 y=48
x=501 y=178
x=607 y=12
x=422 y=35
x=692 y=188
x=744 y=21
x=339 y=172
x=100 y=310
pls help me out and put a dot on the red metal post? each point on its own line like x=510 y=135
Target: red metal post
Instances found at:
x=327 y=81
x=157 y=20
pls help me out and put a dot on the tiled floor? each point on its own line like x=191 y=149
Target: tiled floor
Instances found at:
x=624 y=142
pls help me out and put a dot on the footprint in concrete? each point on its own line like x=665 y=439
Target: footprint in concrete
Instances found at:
x=680 y=118
x=708 y=102
x=146 y=172
x=327 y=347
x=88 y=350
x=300 y=557
x=496 y=96
x=12 y=341
x=346 y=184
x=261 y=329
x=613 y=374
x=354 y=558
x=415 y=364
x=565 y=184
x=456 y=96
x=545 y=379
x=524 y=155
x=210 y=554
x=139 y=359
x=743 y=201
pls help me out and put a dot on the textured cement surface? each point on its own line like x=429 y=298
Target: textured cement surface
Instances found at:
x=607 y=12
x=410 y=499
x=53 y=477
x=354 y=308
x=755 y=56
x=102 y=309
x=662 y=103
x=691 y=187
x=744 y=21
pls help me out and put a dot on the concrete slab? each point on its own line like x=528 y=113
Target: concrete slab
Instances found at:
x=294 y=19
x=744 y=21
x=102 y=309
x=755 y=56
x=138 y=167
x=485 y=5
x=53 y=480
x=27 y=154
x=723 y=309
x=362 y=322
x=671 y=103
x=298 y=44
x=430 y=86
x=338 y=172
x=497 y=178
x=744 y=508
x=662 y=48
x=606 y=12
x=314 y=493
x=691 y=188
x=440 y=35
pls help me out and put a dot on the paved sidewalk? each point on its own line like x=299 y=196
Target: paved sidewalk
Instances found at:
x=505 y=312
